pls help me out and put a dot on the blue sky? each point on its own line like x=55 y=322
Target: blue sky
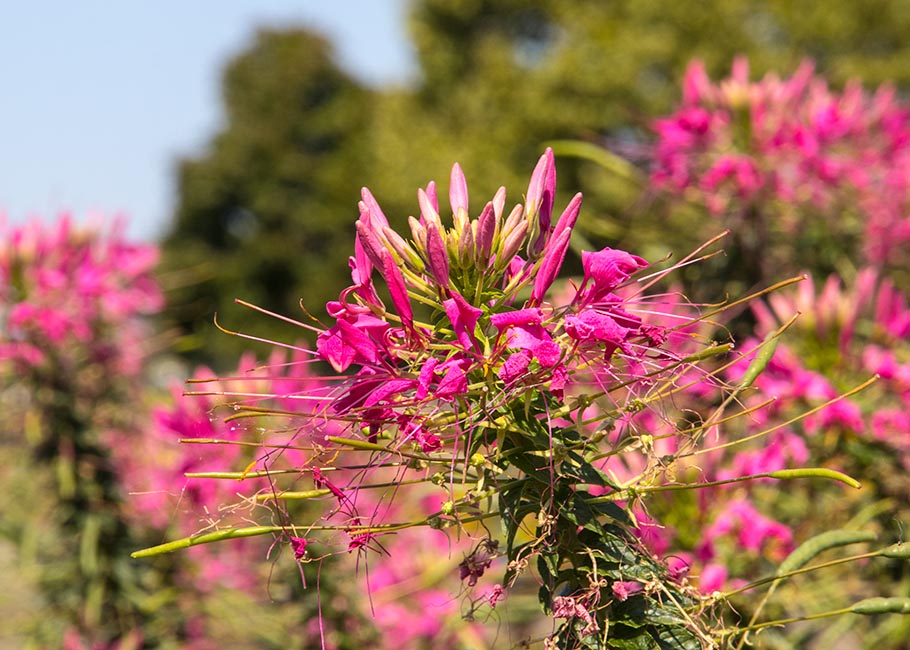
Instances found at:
x=100 y=97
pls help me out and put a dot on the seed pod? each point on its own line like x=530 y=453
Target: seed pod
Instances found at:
x=893 y=605
x=812 y=547
x=815 y=472
x=759 y=363
x=898 y=551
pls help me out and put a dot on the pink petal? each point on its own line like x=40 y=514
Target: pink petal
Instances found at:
x=458 y=190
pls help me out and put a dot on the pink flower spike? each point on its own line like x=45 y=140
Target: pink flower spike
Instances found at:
x=458 y=190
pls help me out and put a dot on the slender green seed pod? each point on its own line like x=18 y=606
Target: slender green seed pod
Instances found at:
x=893 y=605
x=899 y=551
x=815 y=472
x=707 y=353
x=205 y=538
x=760 y=362
x=820 y=543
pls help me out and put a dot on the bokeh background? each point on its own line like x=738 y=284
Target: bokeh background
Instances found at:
x=236 y=137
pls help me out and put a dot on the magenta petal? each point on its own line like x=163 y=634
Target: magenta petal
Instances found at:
x=569 y=216
x=592 y=325
x=361 y=267
x=331 y=347
x=453 y=383
x=425 y=377
x=553 y=257
x=463 y=317
x=387 y=389
x=357 y=339
x=530 y=316
x=397 y=290
x=607 y=269
x=515 y=366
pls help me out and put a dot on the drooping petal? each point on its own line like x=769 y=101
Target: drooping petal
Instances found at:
x=331 y=347
x=592 y=326
x=397 y=290
x=453 y=383
x=607 y=269
x=427 y=371
x=515 y=366
x=359 y=340
x=463 y=317
x=530 y=316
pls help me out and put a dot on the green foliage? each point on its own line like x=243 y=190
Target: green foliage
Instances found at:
x=265 y=212
x=268 y=207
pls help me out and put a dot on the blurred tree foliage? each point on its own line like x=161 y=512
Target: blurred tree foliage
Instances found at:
x=266 y=213
x=269 y=206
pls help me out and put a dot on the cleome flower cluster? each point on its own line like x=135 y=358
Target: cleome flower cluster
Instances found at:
x=469 y=317
x=474 y=395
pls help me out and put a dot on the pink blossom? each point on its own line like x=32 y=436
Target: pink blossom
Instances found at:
x=604 y=271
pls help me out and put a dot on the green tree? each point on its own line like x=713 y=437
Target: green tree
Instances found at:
x=267 y=210
x=270 y=205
